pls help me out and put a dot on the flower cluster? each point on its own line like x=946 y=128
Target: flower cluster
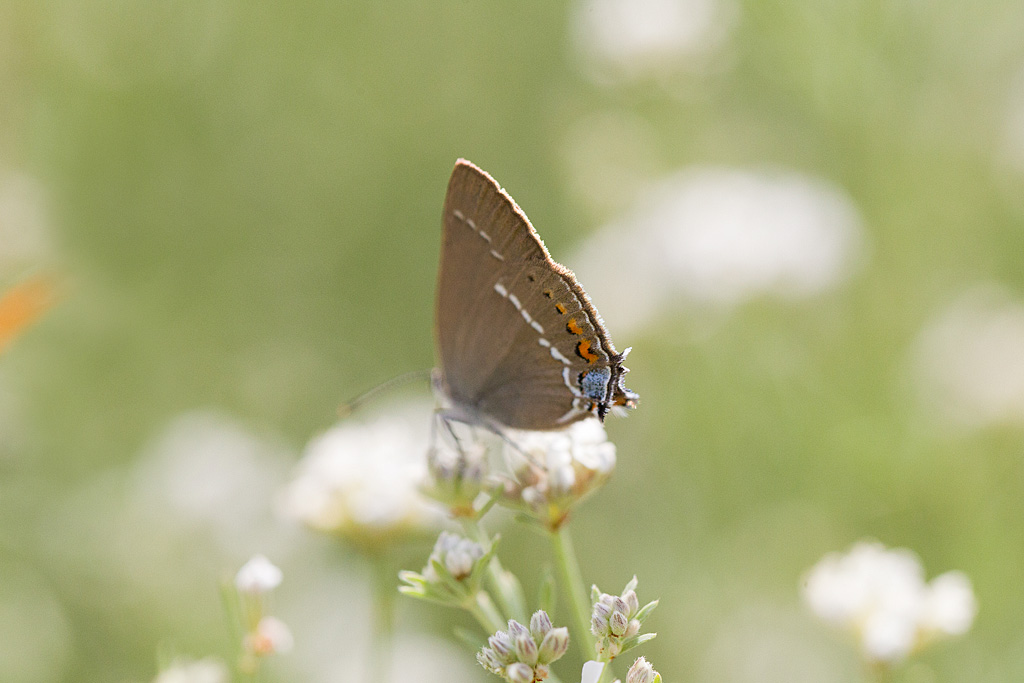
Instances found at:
x=453 y=573
x=616 y=620
x=455 y=554
x=881 y=596
x=521 y=654
x=457 y=475
x=559 y=470
x=263 y=634
x=361 y=480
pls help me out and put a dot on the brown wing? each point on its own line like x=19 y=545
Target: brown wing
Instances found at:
x=514 y=328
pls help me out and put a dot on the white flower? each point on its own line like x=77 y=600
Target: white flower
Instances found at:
x=888 y=636
x=968 y=362
x=881 y=595
x=631 y=39
x=362 y=479
x=271 y=636
x=950 y=606
x=584 y=445
x=456 y=553
x=208 y=467
x=560 y=468
x=592 y=671
x=258 y=575
x=719 y=237
x=207 y=670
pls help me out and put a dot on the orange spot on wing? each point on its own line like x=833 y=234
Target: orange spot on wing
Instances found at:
x=573 y=326
x=23 y=305
x=548 y=293
x=584 y=352
x=560 y=308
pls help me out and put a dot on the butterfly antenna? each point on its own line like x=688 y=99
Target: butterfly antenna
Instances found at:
x=346 y=409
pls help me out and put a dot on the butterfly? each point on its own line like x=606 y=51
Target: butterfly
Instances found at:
x=519 y=342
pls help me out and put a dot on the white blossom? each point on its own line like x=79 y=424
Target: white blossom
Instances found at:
x=718 y=237
x=362 y=479
x=592 y=671
x=456 y=553
x=881 y=596
x=968 y=364
x=559 y=469
x=950 y=606
x=633 y=39
x=258 y=575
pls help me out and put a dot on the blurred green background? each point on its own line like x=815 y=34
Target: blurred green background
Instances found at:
x=242 y=201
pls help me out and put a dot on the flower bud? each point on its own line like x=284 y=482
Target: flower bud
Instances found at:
x=621 y=605
x=502 y=645
x=632 y=629
x=554 y=645
x=489 y=660
x=540 y=624
x=642 y=672
x=618 y=623
x=515 y=629
x=632 y=601
x=526 y=648
x=459 y=563
x=519 y=673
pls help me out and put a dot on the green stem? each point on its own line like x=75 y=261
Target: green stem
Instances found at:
x=572 y=581
x=487 y=615
x=383 y=618
x=241 y=620
x=511 y=604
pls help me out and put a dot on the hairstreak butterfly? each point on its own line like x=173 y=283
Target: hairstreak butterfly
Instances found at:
x=520 y=343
